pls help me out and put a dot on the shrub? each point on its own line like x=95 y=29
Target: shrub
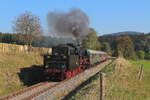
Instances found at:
x=140 y=54
x=147 y=55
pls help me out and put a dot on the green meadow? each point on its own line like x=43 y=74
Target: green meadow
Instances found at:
x=138 y=63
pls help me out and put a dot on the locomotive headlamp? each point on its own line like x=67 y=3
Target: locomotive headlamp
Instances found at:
x=63 y=66
x=48 y=56
x=46 y=66
x=64 y=57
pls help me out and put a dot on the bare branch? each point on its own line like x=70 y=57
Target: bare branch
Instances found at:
x=29 y=26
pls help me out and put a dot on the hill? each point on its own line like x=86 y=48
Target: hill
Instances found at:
x=125 y=33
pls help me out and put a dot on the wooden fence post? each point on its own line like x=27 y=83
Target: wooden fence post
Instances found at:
x=102 y=86
x=140 y=74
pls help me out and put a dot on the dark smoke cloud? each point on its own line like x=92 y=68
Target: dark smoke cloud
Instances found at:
x=72 y=24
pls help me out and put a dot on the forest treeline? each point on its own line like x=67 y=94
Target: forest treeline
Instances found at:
x=128 y=46
x=42 y=41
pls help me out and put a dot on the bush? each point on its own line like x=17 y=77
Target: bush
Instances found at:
x=140 y=54
x=147 y=55
x=106 y=47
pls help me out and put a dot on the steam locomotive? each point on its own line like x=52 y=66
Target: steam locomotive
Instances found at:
x=68 y=60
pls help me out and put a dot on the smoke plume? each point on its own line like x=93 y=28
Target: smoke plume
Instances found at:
x=72 y=24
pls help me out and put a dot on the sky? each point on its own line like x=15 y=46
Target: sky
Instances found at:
x=106 y=16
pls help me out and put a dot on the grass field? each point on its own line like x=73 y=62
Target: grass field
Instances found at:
x=146 y=63
x=122 y=82
x=10 y=65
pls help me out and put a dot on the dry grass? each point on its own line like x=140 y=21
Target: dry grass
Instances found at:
x=122 y=83
x=10 y=64
x=13 y=48
x=87 y=92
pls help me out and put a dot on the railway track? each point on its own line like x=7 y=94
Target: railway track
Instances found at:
x=28 y=92
x=54 y=90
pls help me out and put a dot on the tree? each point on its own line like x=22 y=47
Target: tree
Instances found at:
x=125 y=47
x=147 y=55
x=28 y=25
x=1 y=37
x=91 y=41
x=140 y=54
x=7 y=38
x=106 y=47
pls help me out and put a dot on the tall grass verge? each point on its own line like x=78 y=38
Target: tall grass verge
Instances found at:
x=10 y=65
x=122 y=83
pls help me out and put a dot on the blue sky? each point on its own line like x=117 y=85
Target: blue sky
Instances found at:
x=106 y=16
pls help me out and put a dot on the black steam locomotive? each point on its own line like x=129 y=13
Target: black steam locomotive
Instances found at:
x=68 y=60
